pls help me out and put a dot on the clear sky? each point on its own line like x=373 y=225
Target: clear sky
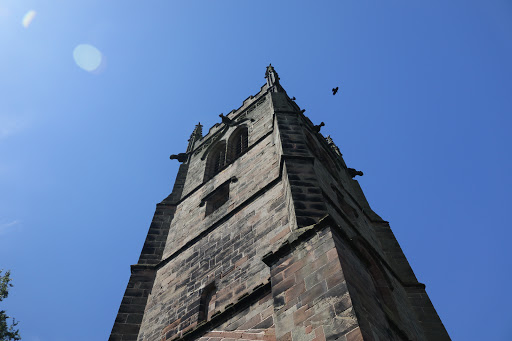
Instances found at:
x=424 y=110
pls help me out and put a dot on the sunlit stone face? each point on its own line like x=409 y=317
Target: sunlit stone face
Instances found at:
x=87 y=57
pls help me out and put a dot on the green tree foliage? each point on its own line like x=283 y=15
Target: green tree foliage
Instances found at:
x=7 y=332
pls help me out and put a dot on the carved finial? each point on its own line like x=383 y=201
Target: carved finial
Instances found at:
x=333 y=145
x=272 y=78
x=197 y=134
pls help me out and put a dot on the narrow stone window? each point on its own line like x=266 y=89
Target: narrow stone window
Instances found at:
x=217 y=198
x=205 y=300
x=238 y=143
x=216 y=160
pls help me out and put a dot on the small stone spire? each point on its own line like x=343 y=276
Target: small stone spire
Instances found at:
x=272 y=79
x=197 y=134
x=333 y=145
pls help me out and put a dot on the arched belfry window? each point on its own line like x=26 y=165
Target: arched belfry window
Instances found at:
x=237 y=143
x=216 y=160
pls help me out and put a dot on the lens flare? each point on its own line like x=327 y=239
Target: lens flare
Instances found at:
x=87 y=57
x=27 y=18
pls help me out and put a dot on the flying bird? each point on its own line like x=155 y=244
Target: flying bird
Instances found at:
x=334 y=91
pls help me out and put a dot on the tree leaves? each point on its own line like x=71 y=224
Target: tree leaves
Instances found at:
x=7 y=332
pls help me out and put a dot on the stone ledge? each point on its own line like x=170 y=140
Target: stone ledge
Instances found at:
x=230 y=310
x=192 y=191
x=296 y=238
x=220 y=221
x=299 y=236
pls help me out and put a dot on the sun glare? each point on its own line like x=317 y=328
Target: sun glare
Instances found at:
x=27 y=18
x=87 y=57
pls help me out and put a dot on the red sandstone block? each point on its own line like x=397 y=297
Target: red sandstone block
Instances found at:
x=283 y=286
x=293 y=268
x=332 y=254
x=286 y=337
x=269 y=337
x=335 y=279
x=288 y=305
x=309 y=329
x=282 y=265
x=253 y=321
x=241 y=261
x=321 y=261
x=267 y=312
x=327 y=270
x=319 y=334
x=303 y=272
x=251 y=335
x=355 y=335
x=309 y=296
x=171 y=326
x=294 y=291
x=280 y=235
x=302 y=314
x=192 y=325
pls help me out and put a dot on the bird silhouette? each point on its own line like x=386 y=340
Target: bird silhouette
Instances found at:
x=334 y=91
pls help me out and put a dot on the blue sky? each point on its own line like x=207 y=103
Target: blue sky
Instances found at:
x=424 y=110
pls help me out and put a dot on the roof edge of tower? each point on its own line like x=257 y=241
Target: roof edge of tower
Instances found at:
x=272 y=85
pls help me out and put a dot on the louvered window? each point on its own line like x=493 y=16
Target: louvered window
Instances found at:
x=238 y=143
x=216 y=160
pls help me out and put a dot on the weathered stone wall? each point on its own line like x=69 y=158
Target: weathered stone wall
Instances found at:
x=229 y=255
x=308 y=204
x=245 y=177
x=311 y=299
x=293 y=253
x=133 y=304
x=255 y=114
x=225 y=247
x=255 y=322
x=380 y=302
x=321 y=184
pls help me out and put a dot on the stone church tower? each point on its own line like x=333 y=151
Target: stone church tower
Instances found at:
x=267 y=236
